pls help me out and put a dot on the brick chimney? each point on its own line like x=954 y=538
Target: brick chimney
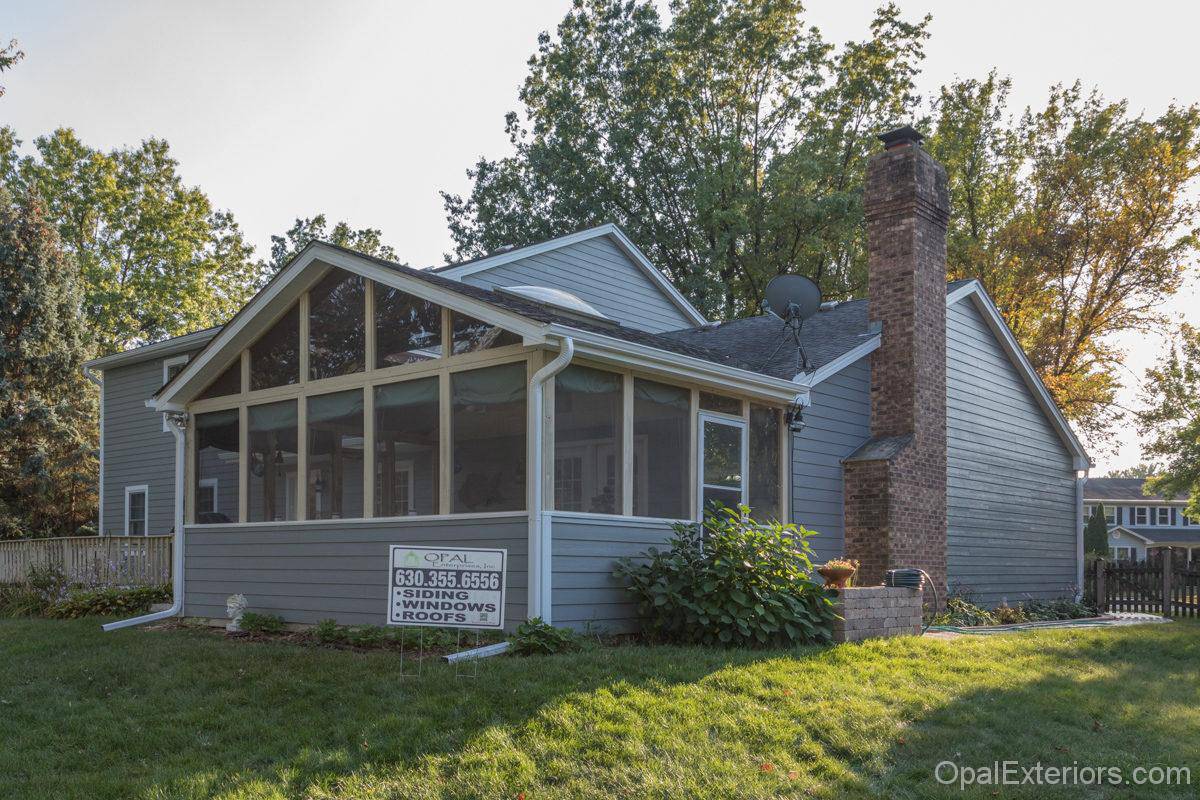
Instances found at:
x=895 y=484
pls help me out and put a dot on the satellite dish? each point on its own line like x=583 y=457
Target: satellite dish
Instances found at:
x=792 y=297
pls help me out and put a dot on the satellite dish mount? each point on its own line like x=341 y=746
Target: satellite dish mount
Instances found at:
x=792 y=299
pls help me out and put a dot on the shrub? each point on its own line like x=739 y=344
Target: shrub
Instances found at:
x=18 y=600
x=253 y=622
x=1009 y=615
x=536 y=637
x=327 y=631
x=108 y=601
x=1061 y=608
x=366 y=636
x=962 y=612
x=731 y=581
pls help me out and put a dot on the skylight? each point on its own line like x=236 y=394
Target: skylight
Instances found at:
x=555 y=297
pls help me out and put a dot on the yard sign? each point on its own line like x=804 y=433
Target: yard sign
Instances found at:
x=446 y=587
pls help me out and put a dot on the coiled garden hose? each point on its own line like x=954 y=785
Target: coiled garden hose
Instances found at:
x=913 y=578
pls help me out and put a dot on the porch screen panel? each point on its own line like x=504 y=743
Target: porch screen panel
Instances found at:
x=215 y=472
x=661 y=453
x=470 y=335
x=335 y=455
x=271 y=483
x=721 y=465
x=487 y=429
x=406 y=448
x=337 y=327
x=764 y=462
x=275 y=357
x=407 y=328
x=587 y=441
x=227 y=383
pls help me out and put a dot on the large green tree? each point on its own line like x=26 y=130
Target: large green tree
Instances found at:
x=155 y=257
x=303 y=231
x=1171 y=421
x=730 y=142
x=47 y=410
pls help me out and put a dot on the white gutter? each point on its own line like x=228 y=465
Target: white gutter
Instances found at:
x=91 y=376
x=1080 y=479
x=177 y=423
x=539 y=527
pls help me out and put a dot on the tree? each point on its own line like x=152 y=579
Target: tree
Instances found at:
x=1095 y=535
x=303 y=231
x=1143 y=470
x=156 y=259
x=9 y=56
x=1078 y=220
x=1171 y=420
x=47 y=409
x=731 y=143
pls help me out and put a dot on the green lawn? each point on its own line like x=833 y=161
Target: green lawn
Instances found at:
x=166 y=714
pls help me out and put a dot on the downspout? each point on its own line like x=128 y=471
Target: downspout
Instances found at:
x=539 y=532
x=177 y=422
x=91 y=376
x=1080 y=479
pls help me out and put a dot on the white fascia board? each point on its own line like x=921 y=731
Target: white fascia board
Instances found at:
x=811 y=379
x=286 y=283
x=166 y=347
x=1127 y=532
x=674 y=365
x=995 y=320
x=608 y=229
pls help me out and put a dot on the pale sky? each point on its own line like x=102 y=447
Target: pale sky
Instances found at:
x=364 y=110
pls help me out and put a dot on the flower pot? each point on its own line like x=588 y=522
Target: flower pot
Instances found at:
x=836 y=577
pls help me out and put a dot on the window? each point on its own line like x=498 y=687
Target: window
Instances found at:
x=765 y=426
x=275 y=357
x=487 y=429
x=406 y=448
x=1110 y=514
x=722 y=464
x=335 y=455
x=1122 y=553
x=589 y=409
x=337 y=331
x=661 y=451
x=407 y=328
x=1139 y=514
x=1087 y=512
x=471 y=335
x=217 y=446
x=137 y=510
x=227 y=383
x=1185 y=520
x=271 y=482
x=1162 y=516
x=720 y=404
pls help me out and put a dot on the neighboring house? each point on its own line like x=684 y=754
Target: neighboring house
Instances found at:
x=1140 y=523
x=565 y=402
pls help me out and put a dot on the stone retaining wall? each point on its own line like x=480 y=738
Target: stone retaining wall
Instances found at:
x=868 y=612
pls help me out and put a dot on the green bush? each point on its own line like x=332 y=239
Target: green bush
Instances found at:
x=366 y=636
x=327 y=631
x=961 y=612
x=535 y=637
x=253 y=622
x=109 y=601
x=1062 y=608
x=731 y=581
x=19 y=600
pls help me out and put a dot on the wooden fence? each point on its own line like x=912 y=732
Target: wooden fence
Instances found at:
x=1164 y=584
x=92 y=560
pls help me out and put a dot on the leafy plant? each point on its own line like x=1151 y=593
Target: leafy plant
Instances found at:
x=108 y=601
x=366 y=636
x=731 y=581
x=1061 y=608
x=253 y=622
x=841 y=563
x=327 y=631
x=1009 y=615
x=536 y=637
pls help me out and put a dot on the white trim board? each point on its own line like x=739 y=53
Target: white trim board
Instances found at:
x=609 y=229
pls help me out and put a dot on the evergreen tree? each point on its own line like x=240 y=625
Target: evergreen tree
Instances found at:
x=1095 y=535
x=47 y=408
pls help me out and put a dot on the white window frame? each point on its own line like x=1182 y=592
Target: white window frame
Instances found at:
x=1141 y=515
x=1159 y=513
x=144 y=490
x=1110 y=515
x=214 y=484
x=718 y=418
x=166 y=376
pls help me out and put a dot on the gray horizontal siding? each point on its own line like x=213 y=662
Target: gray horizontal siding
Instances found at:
x=136 y=448
x=584 y=552
x=306 y=573
x=835 y=424
x=599 y=273
x=1010 y=481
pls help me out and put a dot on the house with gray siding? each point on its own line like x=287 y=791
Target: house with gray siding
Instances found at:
x=1140 y=522
x=565 y=403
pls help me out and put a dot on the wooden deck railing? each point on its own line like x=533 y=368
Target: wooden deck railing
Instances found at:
x=93 y=560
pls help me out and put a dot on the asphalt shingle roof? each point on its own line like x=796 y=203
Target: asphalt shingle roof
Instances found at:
x=1189 y=535
x=1116 y=489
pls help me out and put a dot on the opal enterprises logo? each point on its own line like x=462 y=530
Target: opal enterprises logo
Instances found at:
x=448 y=587
x=1014 y=773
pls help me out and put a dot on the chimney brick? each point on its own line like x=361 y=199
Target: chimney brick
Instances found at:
x=895 y=485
